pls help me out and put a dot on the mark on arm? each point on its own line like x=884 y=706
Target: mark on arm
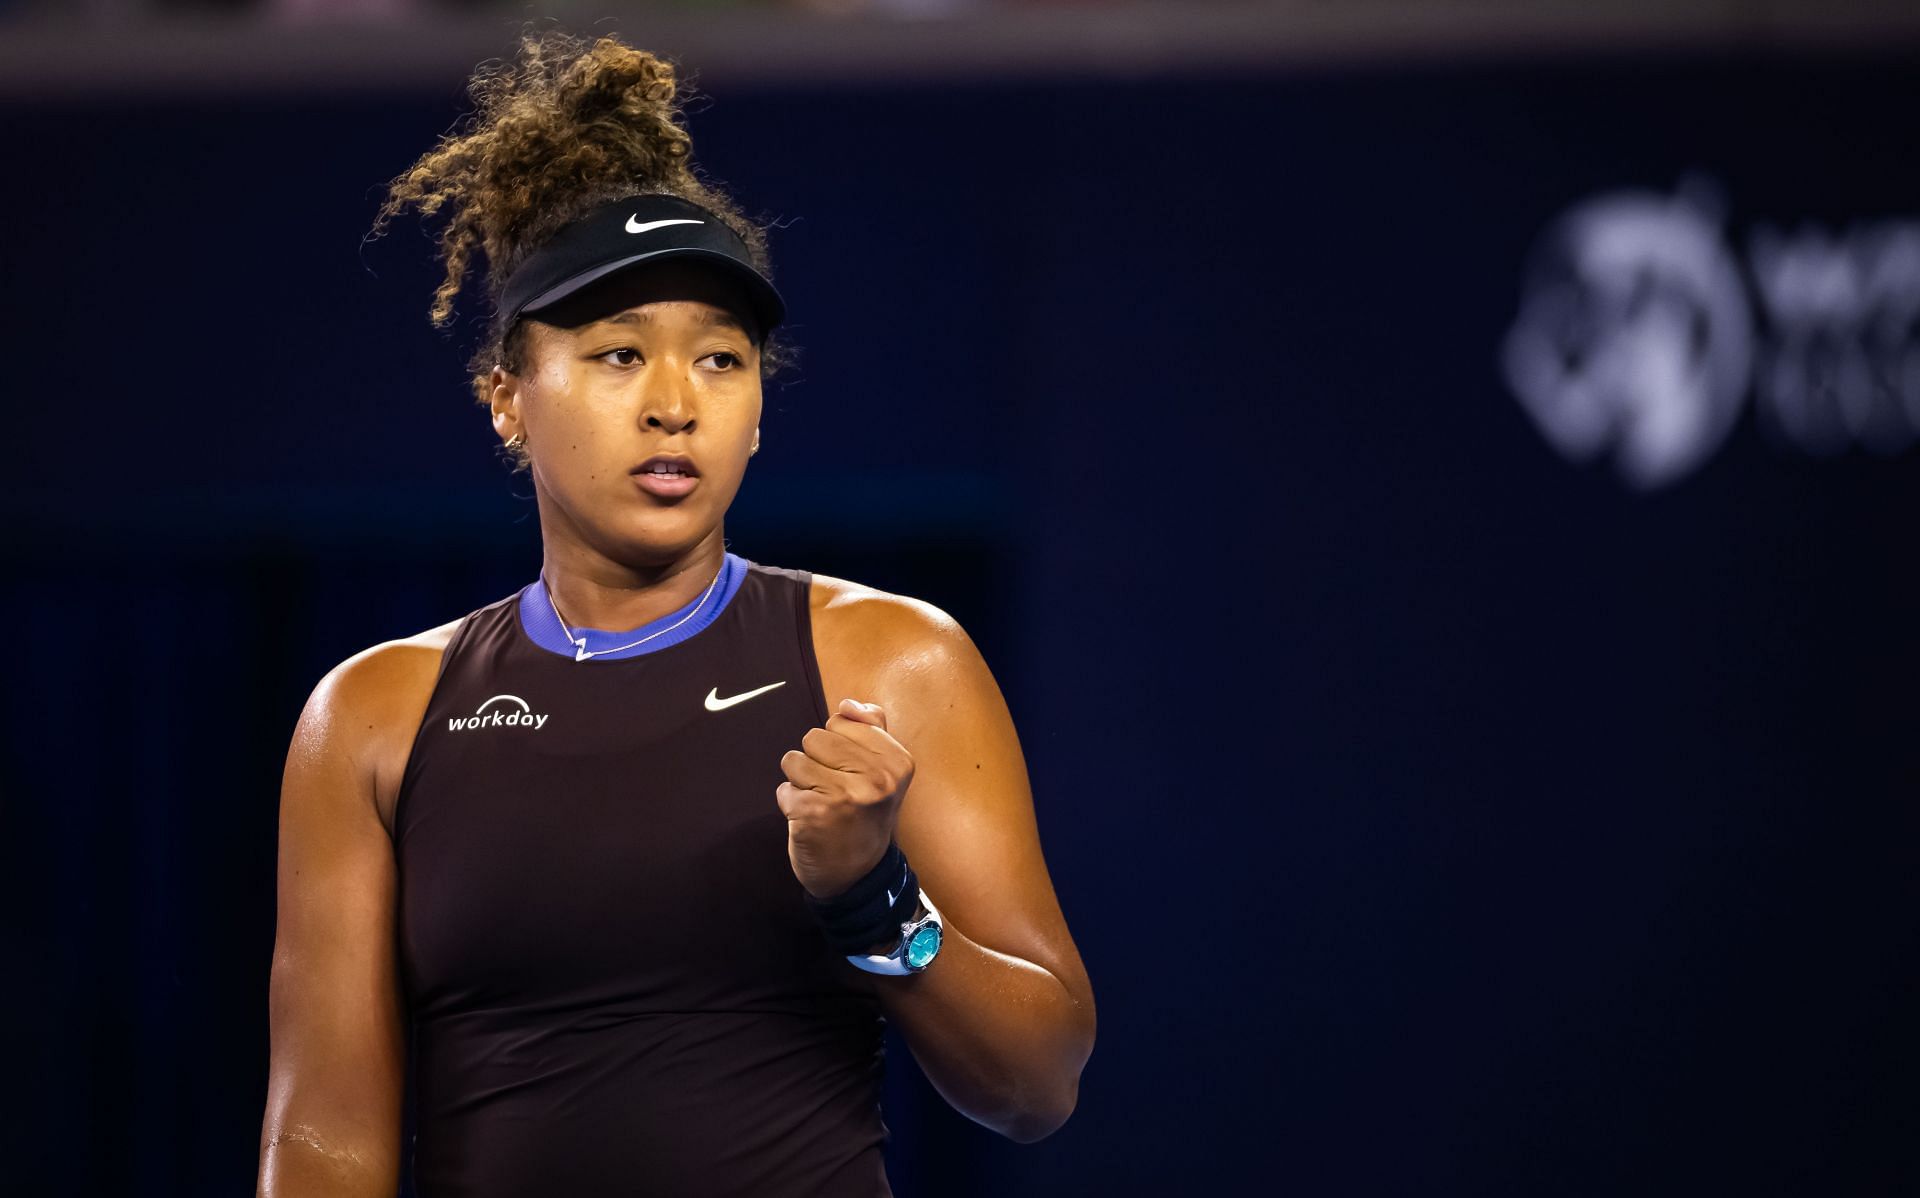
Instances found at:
x=301 y=1133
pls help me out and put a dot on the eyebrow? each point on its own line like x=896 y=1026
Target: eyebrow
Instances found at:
x=712 y=318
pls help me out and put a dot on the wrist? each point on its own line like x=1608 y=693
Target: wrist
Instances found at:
x=874 y=908
x=861 y=881
x=883 y=947
x=915 y=947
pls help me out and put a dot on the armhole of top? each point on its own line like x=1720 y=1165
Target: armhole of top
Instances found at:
x=808 y=658
x=446 y=655
x=413 y=748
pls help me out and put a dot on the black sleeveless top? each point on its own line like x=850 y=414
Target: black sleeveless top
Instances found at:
x=614 y=984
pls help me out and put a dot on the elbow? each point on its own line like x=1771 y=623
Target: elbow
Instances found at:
x=1033 y=1130
x=1034 y=1105
x=1035 y=1122
x=1032 y=1126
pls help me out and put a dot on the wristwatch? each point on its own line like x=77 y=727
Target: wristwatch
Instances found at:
x=919 y=944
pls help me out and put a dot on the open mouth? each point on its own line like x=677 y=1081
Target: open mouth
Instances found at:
x=666 y=475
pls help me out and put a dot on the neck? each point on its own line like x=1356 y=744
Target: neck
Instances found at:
x=594 y=591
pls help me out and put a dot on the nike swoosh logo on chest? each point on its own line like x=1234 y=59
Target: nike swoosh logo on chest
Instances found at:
x=716 y=703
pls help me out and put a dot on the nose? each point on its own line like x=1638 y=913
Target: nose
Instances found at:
x=666 y=402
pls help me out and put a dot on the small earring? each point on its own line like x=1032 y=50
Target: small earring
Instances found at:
x=515 y=441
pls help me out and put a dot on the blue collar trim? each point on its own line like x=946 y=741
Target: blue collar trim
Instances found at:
x=543 y=629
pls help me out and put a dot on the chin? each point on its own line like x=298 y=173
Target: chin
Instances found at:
x=665 y=533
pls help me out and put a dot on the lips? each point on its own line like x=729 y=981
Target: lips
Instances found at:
x=669 y=463
x=668 y=476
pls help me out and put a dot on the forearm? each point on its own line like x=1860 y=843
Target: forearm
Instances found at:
x=1000 y=1038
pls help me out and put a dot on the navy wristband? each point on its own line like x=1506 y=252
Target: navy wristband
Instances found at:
x=871 y=910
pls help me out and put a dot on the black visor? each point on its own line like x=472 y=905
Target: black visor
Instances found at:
x=646 y=228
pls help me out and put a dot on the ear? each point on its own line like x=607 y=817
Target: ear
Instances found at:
x=505 y=402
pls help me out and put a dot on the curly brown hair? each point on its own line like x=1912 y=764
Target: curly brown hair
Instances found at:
x=569 y=126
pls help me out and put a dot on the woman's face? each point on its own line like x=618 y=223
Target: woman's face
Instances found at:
x=666 y=366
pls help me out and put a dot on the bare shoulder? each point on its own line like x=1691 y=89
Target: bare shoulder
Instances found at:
x=395 y=673
x=853 y=611
x=895 y=650
x=370 y=707
x=433 y=639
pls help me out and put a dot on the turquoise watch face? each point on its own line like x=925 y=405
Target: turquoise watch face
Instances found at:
x=925 y=943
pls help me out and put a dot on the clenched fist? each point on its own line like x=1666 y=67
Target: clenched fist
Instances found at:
x=841 y=797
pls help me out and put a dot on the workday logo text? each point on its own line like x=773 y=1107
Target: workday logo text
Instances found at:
x=513 y=712
x=1642 y=333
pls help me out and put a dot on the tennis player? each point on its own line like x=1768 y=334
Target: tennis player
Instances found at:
x=626 y=871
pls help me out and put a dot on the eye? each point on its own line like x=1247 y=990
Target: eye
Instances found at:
x=622 y=350
x=730 y=361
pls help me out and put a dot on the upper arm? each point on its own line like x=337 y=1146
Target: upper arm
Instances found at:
x=338 y=1052
x=967 y=821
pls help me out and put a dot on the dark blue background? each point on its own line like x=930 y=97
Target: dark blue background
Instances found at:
x=1434 y=816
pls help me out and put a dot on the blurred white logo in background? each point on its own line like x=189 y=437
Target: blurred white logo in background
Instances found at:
x=1843 y=364
x=1633 y=335
x=1637 y=335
